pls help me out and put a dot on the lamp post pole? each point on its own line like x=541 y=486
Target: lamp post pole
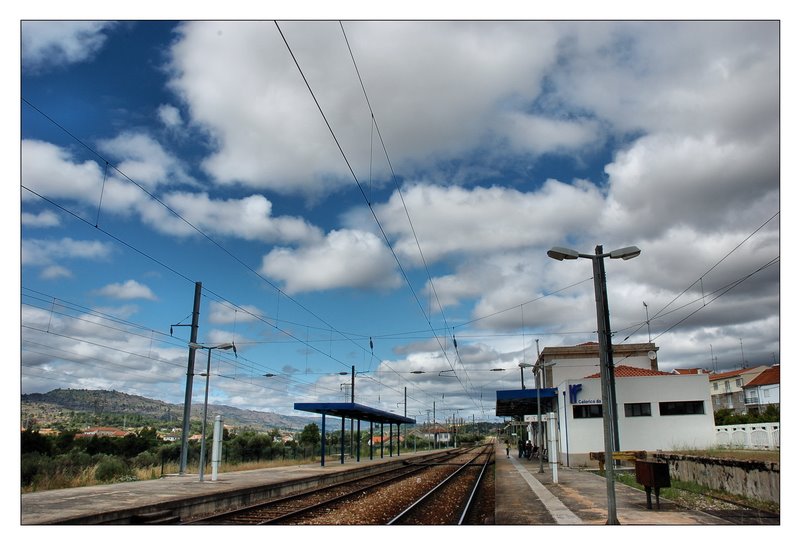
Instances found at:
x=201 y=471
x=223 y=346
x=606 y=372
x=607 y=385
x=604 y=339
x=537 y=369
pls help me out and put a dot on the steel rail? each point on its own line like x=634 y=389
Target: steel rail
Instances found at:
x=436 y=488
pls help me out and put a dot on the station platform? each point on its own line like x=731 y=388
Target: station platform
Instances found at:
x=523 y=495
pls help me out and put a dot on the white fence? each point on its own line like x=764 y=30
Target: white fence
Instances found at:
x=751 y=436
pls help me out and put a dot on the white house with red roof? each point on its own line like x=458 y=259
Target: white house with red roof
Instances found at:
x=655 y=411
x=763 y=390
x=727 y=388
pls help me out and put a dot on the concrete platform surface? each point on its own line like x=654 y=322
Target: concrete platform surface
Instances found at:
x=524 y=496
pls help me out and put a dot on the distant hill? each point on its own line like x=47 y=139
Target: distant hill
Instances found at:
x=64 y=405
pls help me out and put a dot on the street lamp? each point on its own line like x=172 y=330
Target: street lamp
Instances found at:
x=608 y=390
x=522 y=366
x=223 y=347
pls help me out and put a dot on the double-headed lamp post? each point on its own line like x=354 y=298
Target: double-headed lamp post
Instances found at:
x=223 y=347
x=608 y=394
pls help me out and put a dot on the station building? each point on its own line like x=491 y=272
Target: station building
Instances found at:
x=655 y=410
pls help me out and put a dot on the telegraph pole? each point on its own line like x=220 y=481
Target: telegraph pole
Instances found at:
x=187 y=402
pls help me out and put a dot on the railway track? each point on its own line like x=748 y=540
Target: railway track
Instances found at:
x=292 y=507
x=375 y=499
x=453 y=500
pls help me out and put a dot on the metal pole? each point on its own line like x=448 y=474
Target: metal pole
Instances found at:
x=352 y=401
x=603 y=339
x=609 y=350
x=322 y=447
x=341 y=444
x=187 y=401
x=539 y=421
x=205 y=416
x=358 y=441
x=216 y=448
x=539 y=435
x=566 y=428
x=435 y=433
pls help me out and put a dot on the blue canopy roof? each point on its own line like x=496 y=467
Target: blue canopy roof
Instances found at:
x=352 y=410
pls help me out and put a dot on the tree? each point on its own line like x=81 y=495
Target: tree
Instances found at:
x=34 y=442
x=310 y=436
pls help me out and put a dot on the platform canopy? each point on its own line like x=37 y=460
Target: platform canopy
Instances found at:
x=350 y=410
x=513 y=403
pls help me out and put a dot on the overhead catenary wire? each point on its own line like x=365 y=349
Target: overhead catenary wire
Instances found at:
x=431 y=283
x=192 y=226
x=662 y=312
x=361 y=189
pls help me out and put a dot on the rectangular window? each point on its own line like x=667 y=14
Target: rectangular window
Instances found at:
x=691 y=407
x=738 y=382
x=587 y=411
x=716 y=386
x=639 y=409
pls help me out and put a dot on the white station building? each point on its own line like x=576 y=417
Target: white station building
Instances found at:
x=655 y=410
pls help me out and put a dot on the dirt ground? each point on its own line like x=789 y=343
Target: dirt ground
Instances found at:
x=771 y=456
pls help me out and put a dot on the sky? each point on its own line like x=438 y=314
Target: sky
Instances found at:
x=379 y=196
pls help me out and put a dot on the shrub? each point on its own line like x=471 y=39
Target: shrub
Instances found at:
x=110 y=468
x=33 y=465
x=146 y=459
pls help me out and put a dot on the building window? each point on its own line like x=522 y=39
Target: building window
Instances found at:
x=716 y=386
x=691 y=407
x=639 y=409
x=738 y=382
x=587 y=411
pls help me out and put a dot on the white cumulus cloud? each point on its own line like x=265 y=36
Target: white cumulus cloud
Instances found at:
x=344 y=259
x=128 y=290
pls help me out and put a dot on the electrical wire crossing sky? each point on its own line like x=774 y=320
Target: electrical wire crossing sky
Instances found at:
x=377 y=198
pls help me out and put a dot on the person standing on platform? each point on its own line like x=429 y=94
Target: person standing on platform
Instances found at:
x=508 y=448
x=521 y=447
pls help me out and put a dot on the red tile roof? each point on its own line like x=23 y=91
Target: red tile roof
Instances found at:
x=733 y=373
x=690 y=371
x=631 y=371
x=770 y=376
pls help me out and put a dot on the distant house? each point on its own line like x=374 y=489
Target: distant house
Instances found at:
x=435 y=433
x=113 y=432
x=763 y=390
x=727 y=388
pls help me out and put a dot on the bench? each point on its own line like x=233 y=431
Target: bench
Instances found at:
x=600 y=457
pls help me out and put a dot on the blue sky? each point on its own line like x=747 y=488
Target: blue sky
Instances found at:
x=156 y=154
